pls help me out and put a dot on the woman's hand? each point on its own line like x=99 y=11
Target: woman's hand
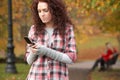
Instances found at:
x=36 y=49
x=33 y=49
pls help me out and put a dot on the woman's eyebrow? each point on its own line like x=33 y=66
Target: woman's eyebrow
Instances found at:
x=42 y=8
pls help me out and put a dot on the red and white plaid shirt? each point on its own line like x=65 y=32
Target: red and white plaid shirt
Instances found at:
x=44 y=68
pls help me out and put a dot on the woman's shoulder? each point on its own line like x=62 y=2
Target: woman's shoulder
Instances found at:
x=69 y=27
x=32 y=28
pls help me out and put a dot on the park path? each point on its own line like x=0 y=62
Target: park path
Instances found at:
x=81 y=70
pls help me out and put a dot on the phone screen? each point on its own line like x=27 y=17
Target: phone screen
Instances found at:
x=28 y=40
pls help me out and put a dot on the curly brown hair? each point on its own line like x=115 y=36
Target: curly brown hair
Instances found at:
x=58 y=12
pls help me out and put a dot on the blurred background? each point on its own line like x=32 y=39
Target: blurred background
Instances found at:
x=96 y=22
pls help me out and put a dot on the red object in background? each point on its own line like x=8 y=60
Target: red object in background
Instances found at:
x=108 y=54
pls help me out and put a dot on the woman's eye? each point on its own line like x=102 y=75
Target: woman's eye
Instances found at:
x=46 y=10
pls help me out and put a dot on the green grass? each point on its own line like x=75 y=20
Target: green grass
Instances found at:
x=97 y=41
x=107 y=75
x=22 y=70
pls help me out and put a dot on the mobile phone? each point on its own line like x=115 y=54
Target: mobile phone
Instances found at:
x=28 y=40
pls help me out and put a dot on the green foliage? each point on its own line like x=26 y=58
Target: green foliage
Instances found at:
x=111 y=23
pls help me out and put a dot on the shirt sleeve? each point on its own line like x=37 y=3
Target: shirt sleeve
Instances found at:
x=114 y=50
x=70 y=48
x=66 y=59
x=54 y=54
x=30 y=57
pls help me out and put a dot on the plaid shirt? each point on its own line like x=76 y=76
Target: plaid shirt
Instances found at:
x=45 y=68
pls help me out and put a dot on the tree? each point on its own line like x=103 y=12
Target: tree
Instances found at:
x=102 y=12
x=105 y=13
x=21 y=16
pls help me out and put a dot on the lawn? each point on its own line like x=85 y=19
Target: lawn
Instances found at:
x=92 y=48
x=23 y=70
x=98 y=41
x=112 y=74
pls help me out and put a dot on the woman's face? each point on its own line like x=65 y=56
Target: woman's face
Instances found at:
x=44 y=12
x=109 y=45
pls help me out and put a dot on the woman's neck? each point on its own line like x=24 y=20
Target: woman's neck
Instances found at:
x=49 y=25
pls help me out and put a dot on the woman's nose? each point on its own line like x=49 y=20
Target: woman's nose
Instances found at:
x=42 y=13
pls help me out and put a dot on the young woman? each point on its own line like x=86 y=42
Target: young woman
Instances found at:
x=53 y=35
